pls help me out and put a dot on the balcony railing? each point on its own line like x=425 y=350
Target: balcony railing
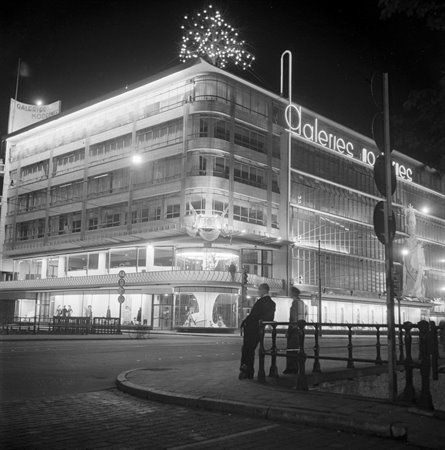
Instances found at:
x=164 y=277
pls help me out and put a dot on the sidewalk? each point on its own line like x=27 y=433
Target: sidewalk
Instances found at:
x=124 y=335
x=215 y=386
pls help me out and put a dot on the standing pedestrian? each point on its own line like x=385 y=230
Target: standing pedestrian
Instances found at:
x=232 y=271
x=263 y=309
x=296 y=313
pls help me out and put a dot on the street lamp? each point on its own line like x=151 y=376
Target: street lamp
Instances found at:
x=39 y=102
x=136 y=159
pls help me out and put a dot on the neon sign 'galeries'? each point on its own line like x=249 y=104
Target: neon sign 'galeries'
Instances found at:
x=311 y=131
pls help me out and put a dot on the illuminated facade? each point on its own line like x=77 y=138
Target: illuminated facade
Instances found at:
x=184 y=179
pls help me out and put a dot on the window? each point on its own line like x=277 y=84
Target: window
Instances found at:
x=35 y=170
x=67 y=160
x=222 y=130
x=76 y=224
x=93 y=261
x=110 y=146
x=123 y=258
x=142 y=258
x=77 y=262
x=221 y=167
x=168 y=132
x=172 y=211
x=258 y=262
x=250 y=139
x=52 y=267
x=93 y=220
x=204 y=127
x=163 y=256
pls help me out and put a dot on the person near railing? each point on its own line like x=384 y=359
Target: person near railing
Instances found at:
x=263 y=309
x=296 y=313
x=442 y=334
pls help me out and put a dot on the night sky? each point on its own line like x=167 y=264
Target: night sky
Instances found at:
x=79 y=50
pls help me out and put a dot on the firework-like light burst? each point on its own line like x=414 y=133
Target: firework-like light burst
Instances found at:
x=208 y=35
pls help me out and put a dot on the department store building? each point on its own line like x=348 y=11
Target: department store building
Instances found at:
x=185 y=179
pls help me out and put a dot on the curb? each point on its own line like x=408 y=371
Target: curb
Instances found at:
x=290 y=415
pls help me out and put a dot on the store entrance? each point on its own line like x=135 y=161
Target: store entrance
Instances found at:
x=162 y=311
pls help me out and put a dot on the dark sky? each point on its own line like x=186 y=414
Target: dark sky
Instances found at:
x=79 y=50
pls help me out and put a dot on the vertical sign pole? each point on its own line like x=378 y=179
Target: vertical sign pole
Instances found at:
x=289 y=142
x=120 y=315
x=319 y=289
x=17 y=80
x=392 y=376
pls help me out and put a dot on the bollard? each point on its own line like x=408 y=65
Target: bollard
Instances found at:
x=408 y=394
x=350 y=364
x=425 y=400
x=378 y=359
x=316 y=367
x=434 y=347
x=273 y=371
x=301 y=376
x=261 y=354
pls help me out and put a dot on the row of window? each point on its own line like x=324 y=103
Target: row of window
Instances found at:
x=218 y=88
x=321 y=196
x=218 y=127
x=335 y=235
x=145 y=210
x=165 y=133
x=147 y=174
x=219 y=166
x=338 y=271
x=307 y=158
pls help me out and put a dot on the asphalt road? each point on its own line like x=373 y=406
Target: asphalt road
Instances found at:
x=41 y=368
x=60 y=394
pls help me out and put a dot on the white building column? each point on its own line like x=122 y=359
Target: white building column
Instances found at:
x=61 y=267
x=44 y=268
x=150 y=255
x=102 y=263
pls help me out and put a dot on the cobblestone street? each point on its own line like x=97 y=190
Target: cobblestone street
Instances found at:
x=111 y=419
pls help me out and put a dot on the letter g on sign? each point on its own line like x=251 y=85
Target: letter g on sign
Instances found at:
x=292 y=115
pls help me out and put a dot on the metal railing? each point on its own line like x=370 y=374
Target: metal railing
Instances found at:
x=69 y=325
x=427 y=360
x=167 y=277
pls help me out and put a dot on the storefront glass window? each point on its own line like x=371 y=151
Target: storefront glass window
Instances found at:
x=218 y=259
x=163 y=256
x=206 y=309
x=77 y=262
x=52 y=267
x=93 y=261
x=142 y=259
x=123 y=258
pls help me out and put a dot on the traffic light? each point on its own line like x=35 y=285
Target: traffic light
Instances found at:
x=379 y=215
x=244 y=280
x=397 y=280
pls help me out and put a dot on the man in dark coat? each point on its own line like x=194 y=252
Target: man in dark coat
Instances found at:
x=296 y=313
x=263 y=309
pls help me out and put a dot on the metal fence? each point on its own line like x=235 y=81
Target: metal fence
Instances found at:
x=70 y=325
x=427 y=359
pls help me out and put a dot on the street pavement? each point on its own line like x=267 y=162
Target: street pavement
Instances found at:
x=32 y=366
x=59 y=394
x=112 y=419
